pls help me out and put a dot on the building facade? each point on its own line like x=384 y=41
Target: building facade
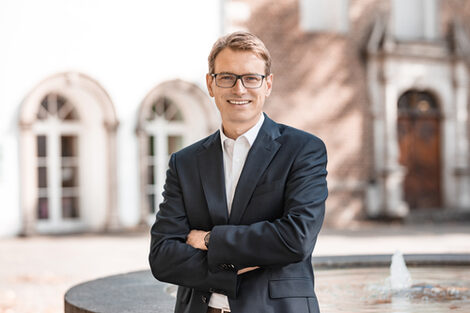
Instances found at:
x=96 y=95
x=94 y=98
x=385 y=83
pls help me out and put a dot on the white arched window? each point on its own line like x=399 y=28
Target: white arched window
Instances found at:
x=173 y=115
x=166 y=132
x=57 y=132
x=67 y=142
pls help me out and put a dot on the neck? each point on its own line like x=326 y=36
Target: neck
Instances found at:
x=234 y=130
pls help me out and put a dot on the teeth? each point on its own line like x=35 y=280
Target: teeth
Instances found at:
x=238 y=102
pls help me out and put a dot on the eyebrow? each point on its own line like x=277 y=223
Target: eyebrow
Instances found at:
x=251 y=73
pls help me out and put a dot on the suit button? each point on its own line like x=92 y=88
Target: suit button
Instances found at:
x=204 y=299
x=223 y=266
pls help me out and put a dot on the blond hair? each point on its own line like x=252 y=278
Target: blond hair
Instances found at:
x=244 y=41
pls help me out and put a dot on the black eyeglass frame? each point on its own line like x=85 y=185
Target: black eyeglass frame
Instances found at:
x=239 y=77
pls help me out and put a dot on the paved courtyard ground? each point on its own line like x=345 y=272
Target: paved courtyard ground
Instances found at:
x=35 y=272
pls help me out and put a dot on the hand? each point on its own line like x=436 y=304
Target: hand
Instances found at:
x=247 y=269
x=195 y=239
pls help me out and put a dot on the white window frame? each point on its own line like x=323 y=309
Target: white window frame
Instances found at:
x=53 y=128
x=324 y=15
x=416 y=20
x=160 y=128
x=199 y=118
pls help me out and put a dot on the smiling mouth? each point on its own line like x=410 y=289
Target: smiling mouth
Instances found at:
x=239 y=102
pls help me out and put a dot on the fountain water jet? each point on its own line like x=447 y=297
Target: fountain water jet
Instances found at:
x=400 y=277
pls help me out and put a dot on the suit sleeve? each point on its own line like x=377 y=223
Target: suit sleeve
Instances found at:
x=171 y=259
x=290 y=238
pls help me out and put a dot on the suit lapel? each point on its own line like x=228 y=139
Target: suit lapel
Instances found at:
x=211 y=171
x=261 y=153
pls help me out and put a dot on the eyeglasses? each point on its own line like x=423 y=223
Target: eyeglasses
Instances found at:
x=228 y=80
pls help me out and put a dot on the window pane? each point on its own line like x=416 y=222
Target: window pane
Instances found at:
x=165 y=107
x=415 y=20
x=171 y=111
x=43 y=209
x=60 y=103
x=42 y=113
x=72 y=115
x=175 y=143
x=151 y=175
x=69 y=176
x=324 y=15
x=42 y=177
x=176 y=116
x=45 y=104
x=69 y=146
x=41 y=146
x=69 y=207
x=151 y=145
x=157 y=108
x=67 y=111
x=151 y=202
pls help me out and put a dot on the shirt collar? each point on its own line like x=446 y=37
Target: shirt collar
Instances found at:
x=250 y=134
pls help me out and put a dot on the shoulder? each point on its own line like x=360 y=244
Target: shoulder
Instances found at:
x=306 y=150
x=293 y=137
x=194 y=148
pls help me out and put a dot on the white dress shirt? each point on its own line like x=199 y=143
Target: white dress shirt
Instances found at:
x=234 y=154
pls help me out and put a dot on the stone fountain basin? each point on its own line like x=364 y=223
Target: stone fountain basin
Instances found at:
x=139 y=292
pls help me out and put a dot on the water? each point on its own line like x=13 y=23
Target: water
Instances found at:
x=400 y=278
x=369 y=290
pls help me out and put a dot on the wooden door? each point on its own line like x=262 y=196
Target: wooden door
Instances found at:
x=419 y=141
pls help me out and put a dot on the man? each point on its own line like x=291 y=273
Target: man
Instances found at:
x=242 y=208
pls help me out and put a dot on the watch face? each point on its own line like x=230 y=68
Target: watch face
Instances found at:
x=206 y=239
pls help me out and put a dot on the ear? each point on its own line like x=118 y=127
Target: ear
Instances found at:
x=209 y=80
x=269 y=84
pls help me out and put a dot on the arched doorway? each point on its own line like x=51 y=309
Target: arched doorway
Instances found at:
x=419 y=133
x=67 y=142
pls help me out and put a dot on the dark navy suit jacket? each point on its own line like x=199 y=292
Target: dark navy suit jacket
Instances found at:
x=277 y=212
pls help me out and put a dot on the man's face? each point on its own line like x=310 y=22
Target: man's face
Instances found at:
x=239 y=105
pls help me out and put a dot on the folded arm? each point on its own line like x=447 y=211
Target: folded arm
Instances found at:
x=197 y=239
x=171 y=259
x=288 y=239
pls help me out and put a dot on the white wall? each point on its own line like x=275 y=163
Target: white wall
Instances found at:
x=128 y=47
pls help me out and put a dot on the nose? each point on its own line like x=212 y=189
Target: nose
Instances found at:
x=239 y=88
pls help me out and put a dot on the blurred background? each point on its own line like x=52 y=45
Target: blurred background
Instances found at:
x=95 y=96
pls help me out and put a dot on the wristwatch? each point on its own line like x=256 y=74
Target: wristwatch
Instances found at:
x=206 y=239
